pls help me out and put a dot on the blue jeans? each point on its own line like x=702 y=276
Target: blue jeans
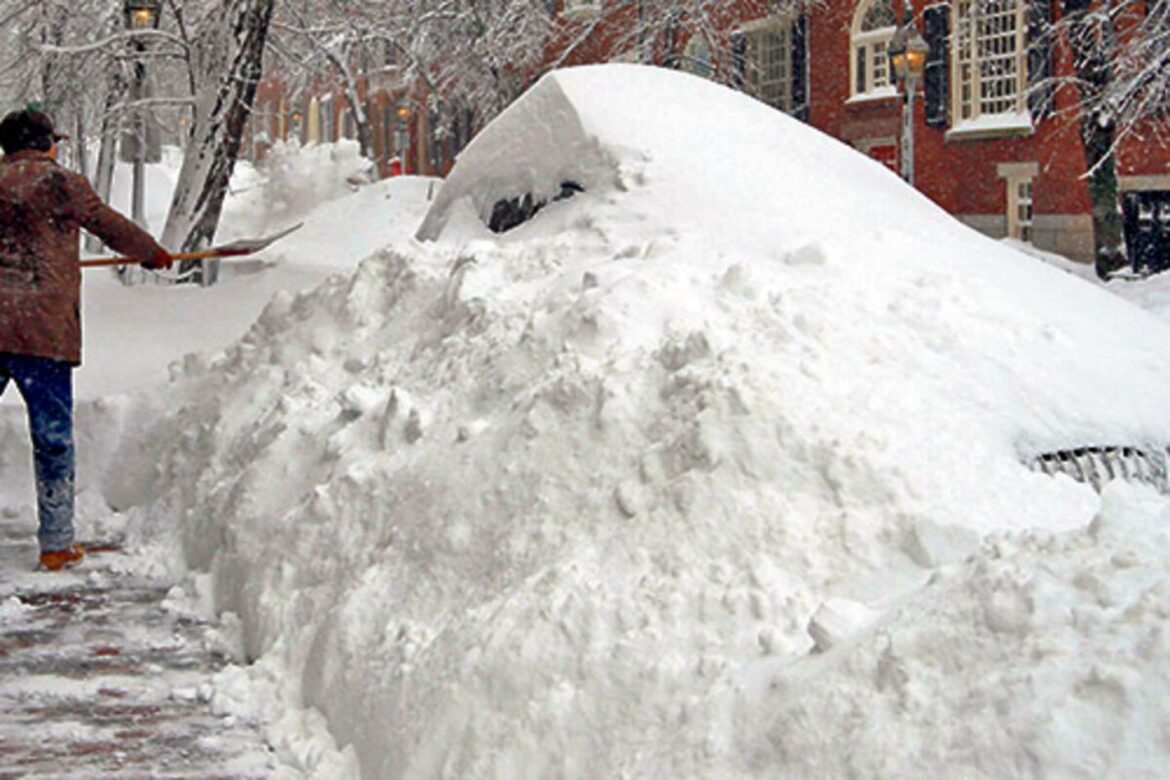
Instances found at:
x=47 y=387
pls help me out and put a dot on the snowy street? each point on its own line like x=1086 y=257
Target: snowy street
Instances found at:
x=719 y=468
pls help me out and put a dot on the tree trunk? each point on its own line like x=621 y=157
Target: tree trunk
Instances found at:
x=1091 y=39
x=1108 y=228
x=103 y=175
x=230 y=68
x=357 y=110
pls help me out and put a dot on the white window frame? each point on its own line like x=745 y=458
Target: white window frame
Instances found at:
x=697 y=58
x=580 y=9
x=755 y=36
x=872 y=45
x=1019 y=180
x=1020 y=207
x=989 y=64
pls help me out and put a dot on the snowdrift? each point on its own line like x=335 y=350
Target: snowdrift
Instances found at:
x=713 y=469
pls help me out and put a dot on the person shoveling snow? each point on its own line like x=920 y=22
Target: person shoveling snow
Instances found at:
x=42 y=209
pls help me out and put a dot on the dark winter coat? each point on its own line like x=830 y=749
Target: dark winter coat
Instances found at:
x=42 y=207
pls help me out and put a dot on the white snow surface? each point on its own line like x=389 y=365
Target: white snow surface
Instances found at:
x=712 y=470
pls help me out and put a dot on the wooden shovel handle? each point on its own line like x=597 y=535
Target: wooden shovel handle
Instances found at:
x=200 y=255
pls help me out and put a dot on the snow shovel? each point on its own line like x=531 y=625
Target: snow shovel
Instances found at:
x=247 y=246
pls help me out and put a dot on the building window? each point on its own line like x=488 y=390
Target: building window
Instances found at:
x=697 y=57
x=1020 y=209
x=873 y=27
x=988 y=58
x=325 y=131
x=314 y=121
x=577 y=8
x=767 y=57
x=1018 y=179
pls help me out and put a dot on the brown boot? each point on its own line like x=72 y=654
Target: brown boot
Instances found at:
x=55 y=560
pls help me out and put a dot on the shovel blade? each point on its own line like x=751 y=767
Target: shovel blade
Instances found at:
x=247 y=246
x=235 y=249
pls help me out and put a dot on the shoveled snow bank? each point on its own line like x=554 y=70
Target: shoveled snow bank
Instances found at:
x=581 y=499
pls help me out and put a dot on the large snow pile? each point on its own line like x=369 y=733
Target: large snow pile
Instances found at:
x=713 y=469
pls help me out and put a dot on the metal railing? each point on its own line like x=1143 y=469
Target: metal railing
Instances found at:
x=1097 y=466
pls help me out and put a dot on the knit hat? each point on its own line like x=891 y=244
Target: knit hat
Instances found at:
x=27 y=129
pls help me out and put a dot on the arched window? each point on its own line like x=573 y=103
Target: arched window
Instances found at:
x=697 y=57
x=873 y=27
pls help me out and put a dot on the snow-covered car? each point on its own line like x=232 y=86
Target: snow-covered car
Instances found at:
x=714 y=463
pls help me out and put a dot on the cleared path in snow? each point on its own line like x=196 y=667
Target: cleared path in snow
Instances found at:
x=101 y=677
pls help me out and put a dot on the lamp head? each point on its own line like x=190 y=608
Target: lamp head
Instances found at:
x=907 y=51
x=142 y=14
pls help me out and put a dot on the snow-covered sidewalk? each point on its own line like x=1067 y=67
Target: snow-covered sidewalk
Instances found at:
x=102 y=675
x=111 y=670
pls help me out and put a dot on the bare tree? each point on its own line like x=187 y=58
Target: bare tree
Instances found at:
x=459 y=61
x=76 y=59
x=702 y=36
x=465 y=60
x=48 y=59
x=332 y=40
x=1121 y=64
x=229 y=54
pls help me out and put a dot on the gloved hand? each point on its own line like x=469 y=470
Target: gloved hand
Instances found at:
x=162 y=259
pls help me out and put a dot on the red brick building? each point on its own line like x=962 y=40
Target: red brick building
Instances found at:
x=319 y=112
x=990 y=148
x=1000 y=155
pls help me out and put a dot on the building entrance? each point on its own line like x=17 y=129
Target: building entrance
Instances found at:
x=1147 y=230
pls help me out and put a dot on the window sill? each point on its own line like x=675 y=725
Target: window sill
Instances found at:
x=878 y=95
x=996 y=126
x=580 y=13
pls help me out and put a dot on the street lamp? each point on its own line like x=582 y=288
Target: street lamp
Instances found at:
x=907 y=51
x=140 y=15
x=402 y=135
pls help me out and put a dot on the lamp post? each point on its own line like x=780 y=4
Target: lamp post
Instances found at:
x=140 y=15
x=907 y=51
x=402 y=136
